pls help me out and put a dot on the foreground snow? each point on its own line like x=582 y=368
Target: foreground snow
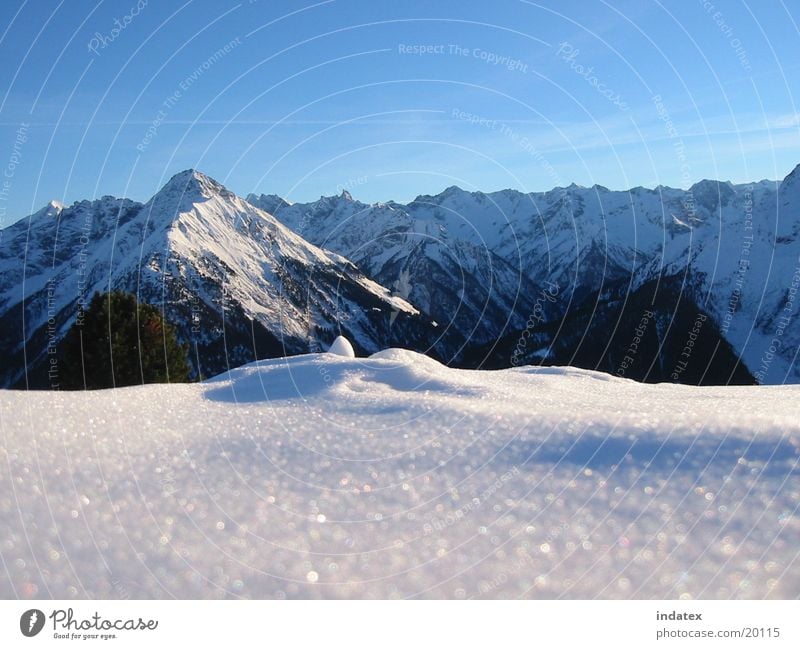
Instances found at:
x=392 y=476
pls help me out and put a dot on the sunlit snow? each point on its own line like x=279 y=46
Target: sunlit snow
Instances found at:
x=342 y=347
x=393 y=476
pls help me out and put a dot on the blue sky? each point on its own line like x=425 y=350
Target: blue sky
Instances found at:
x=304 y=99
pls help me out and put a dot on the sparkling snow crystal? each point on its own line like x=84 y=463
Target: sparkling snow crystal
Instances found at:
x=394 y=476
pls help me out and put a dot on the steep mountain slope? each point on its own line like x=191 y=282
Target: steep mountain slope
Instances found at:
x=235 y=282
x=426 y=252
x=655 y=333
x=734 y=248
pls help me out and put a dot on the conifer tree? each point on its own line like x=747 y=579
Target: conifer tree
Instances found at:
x=120 y=342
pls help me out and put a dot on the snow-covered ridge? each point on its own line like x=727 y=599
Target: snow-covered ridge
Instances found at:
x=735 y=245
x=460 y=269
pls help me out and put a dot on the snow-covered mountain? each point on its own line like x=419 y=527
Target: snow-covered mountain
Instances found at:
x=236 y=283
x=480 y=280
x=430 y=252
x=492 y=266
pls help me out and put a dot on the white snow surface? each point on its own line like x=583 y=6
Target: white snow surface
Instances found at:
x=342 y=347
x=321 y=476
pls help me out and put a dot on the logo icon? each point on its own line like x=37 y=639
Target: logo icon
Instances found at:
x=31 y=622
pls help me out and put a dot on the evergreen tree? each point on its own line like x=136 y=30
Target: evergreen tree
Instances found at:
x=121 y=342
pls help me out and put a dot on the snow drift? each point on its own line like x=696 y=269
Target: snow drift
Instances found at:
x=394 y=476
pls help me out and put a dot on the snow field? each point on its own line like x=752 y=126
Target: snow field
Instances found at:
x=394 y=476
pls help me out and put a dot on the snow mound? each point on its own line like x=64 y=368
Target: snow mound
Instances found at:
x=395 y=476
x=405 y=356
x=311 y=375
x=342 y=347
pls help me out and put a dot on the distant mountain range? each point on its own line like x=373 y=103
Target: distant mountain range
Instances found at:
x=693 y=286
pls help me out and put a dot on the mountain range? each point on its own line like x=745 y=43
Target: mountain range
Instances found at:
x=692 y=286
x=235 y=282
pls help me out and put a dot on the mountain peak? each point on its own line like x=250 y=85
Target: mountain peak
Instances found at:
x=712 y=193
x=449 y=192
x=453 y=190
x=708 y=185
x=792 y=179
x=344 y=197
x=186 y=189
x=270 y=203
x=51 y=210
x=193 y=181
